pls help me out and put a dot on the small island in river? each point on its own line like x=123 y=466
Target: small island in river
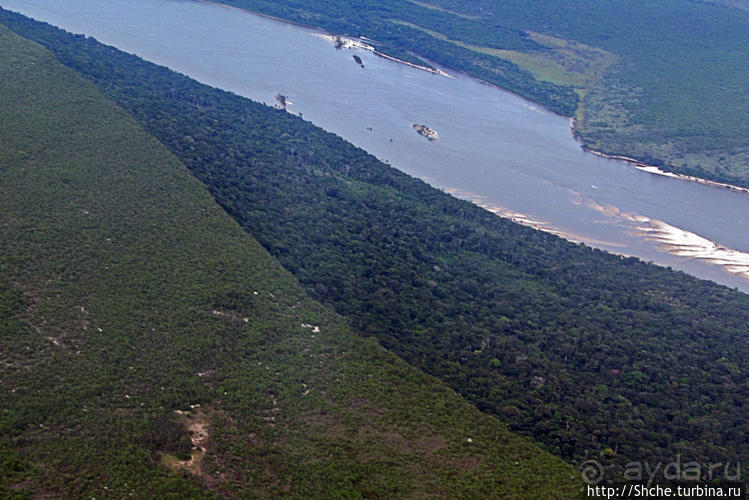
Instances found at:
x=425 y=131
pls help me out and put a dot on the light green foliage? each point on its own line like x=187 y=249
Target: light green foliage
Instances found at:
x=566 y=62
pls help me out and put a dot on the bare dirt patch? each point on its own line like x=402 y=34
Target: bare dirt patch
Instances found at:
x=196 y=422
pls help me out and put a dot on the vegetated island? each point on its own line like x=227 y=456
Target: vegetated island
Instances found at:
x=358 y=60
x=427 y=132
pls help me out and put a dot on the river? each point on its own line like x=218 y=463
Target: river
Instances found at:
x=494 y=148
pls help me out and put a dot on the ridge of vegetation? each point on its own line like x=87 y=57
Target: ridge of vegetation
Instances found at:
x=663 y=82
x=149 y=347
x=595 y=355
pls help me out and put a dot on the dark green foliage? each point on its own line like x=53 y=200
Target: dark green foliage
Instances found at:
x=580 y=349
x=17 y=477
x=11 y=301
x=166 y=434
x=127 y=294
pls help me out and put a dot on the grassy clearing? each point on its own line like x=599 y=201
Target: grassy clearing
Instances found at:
x=564 y=63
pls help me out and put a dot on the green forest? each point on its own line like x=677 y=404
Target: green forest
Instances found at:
x=590 y=354
x=664 y=82
x=203 y=296
x=151 y=348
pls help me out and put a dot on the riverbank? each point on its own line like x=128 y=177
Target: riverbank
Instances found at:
x=652 y=169
x=691 y=178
